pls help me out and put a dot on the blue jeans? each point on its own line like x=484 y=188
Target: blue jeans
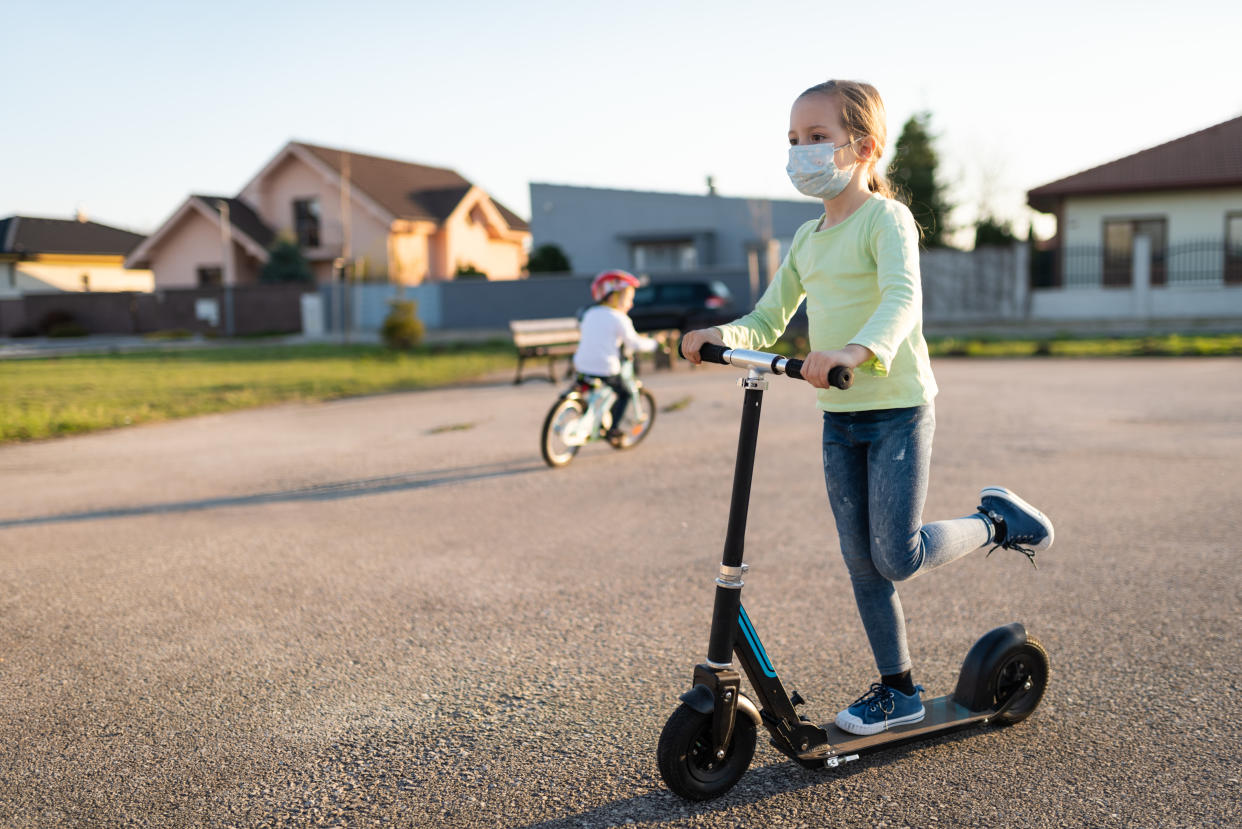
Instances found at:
x=876 y=465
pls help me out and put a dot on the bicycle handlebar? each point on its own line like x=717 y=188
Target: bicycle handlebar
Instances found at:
x=840 y=376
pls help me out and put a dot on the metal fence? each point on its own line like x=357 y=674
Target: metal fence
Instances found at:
x=1196 y=262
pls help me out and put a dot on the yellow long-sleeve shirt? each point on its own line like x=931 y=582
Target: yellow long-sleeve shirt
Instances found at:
x=861 y=283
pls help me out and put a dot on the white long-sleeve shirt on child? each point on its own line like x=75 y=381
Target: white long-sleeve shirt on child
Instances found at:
x=602 y=333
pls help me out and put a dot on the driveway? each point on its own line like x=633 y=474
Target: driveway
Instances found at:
x=387 y=611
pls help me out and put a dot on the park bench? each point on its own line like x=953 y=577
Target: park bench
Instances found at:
x=550 y=338
x=558 y=336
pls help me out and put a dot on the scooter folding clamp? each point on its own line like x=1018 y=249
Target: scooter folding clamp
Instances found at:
x=757 y=381
x=731 y=577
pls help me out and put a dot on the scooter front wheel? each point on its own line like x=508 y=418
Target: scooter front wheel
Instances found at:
x=1020 y=672
x=687 y=761
x=566 y=412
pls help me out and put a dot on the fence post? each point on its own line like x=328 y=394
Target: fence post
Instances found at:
x=1140 y=264
x=1021 y=280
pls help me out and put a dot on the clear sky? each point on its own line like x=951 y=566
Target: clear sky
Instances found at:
x=123 y=108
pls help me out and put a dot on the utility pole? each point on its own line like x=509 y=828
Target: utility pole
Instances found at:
x=346 y=230
x=226 y=264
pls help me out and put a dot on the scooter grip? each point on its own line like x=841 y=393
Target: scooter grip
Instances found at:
x=708 y=352
x=839 y=376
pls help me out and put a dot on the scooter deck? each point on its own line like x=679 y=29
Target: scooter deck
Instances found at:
x=943 y=714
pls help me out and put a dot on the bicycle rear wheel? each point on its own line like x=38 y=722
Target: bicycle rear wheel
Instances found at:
x=635 y=427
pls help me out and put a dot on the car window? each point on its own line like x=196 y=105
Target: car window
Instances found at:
x=675 y=294
x=645 y=295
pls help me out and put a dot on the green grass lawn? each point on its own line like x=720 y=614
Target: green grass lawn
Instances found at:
x=1169 y=345
x=42 y=398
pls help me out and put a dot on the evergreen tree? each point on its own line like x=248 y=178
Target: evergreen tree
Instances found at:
x=913 y=171
x=285 y=263
x=990 y=231
x=548 y=259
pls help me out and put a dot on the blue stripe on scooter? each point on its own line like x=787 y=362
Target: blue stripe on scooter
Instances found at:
x=748 y=631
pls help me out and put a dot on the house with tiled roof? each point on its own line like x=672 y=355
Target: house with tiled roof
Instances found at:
x=39 y=255
x=386 y=220
x=1157 y=233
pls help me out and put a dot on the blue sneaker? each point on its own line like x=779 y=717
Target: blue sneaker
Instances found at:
x=880 y=708
x=1019 y=526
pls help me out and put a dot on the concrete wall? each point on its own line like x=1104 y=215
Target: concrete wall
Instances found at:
x=257 y=309
x=594 y=226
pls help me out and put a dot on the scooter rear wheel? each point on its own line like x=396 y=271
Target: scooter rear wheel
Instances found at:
x=689 y=765
x=1010 y=673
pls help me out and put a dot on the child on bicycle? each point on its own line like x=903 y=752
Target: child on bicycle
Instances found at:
x=606 y=330
x=857 y=266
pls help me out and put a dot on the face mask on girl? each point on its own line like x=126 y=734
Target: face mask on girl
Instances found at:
x=814 y=172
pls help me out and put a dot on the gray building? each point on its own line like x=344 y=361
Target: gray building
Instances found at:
x=647 y=232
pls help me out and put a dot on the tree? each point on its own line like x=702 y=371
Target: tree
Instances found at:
x=548 y=259
x=914 y=171
x=990 y=231
x=285 y=263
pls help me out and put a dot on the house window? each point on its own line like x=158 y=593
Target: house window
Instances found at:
x=1119 y=249
x=210 y=276
x=1233 y=249
x=306 y=222
x=664 y=256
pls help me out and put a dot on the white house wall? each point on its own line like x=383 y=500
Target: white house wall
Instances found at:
x=1191 y=215
x=54 y=277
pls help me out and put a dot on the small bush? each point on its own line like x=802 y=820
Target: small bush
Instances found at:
x=467 y=270
x=58 y=323
x=66 y=329
x=169 y=334
x=402 y=329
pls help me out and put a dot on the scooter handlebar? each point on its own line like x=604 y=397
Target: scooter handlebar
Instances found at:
x=840 y=376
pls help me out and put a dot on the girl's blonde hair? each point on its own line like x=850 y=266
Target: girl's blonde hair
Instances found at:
x=863 y=116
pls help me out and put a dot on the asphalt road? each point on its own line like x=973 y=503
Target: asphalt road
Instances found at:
x=387 y=611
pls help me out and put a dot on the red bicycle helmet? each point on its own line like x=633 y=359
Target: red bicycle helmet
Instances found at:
x=610 y=281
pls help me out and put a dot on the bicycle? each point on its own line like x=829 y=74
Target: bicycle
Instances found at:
x=583 y=414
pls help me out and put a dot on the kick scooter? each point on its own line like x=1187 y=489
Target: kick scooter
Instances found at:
x=709 y=740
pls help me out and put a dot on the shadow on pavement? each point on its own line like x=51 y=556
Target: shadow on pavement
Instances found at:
x=759 y=783
x=319 y=492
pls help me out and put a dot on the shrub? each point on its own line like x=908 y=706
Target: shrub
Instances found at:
x=402 y=329
x=547 y=259
x=58 y=323
x=285 y=263
x=467 y=270
x=66 y=329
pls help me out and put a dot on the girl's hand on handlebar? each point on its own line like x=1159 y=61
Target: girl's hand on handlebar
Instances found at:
x=692 y=341
x=817 y=364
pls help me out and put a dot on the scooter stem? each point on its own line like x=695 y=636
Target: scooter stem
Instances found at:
x=729 y=584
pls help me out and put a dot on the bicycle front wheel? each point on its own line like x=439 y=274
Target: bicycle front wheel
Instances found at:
x=556 y=452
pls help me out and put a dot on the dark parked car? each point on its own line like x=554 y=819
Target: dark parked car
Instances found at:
x=682 y=305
